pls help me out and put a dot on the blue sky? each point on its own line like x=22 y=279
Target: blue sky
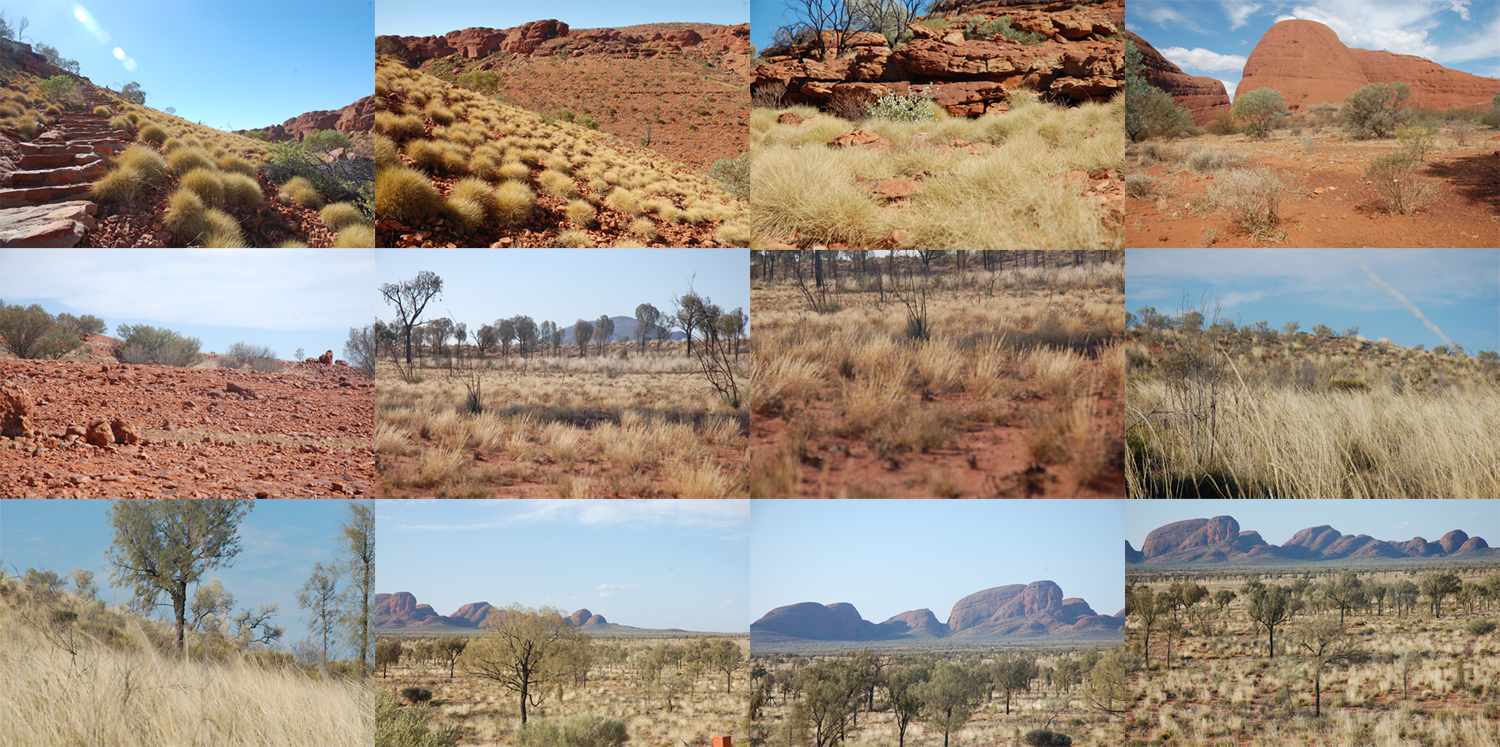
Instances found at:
x=643 y=563
x=231 y=64
x=1456 y=289
x=1394 y=520
x=437 y=18
x=563 y=285
x=1214 y=37
x=280 y=298
x=280 y=543
x=889 y=557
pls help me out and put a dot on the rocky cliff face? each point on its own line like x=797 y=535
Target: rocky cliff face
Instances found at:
x=554 y=38
x=1307 y=62
x=355 y=118
x=1205 y=97
x=1220 y=539
x=1036 y=609
x=1080 y=58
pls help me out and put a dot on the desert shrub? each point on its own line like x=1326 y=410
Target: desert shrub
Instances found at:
x=222 y=231
x=1150 y=111
x=183 y=160
x=588 y=121
x=1417 y=140
x=136 y=168
x=359 y=236
x=514 y=171
x=349 y=180
x=1143 y=186
x=1260 y=110
x=1001 y=27
x=164 y=347
x=207 y=184
x=557 y=183
x=57 y=87
x=574 y=238
x=1308 y=144
x=1214 y=160
x=31 y=332
x=398 y=126
x=340 y=215
x=484 y=81
x=1251 y=198
x=1480 y=627
x=325 y=139
x=578 y=729
x=734 y=173
x=152 y=132
x=514 y=202
x=1223 y=125
x=897 y=107
x=117 y=186
x=416 y=694
x=1374 y=111
x=385 y=152
x=102 y=111
x=1046 y=738
x=624 y=200
x=256 y=357
x=28 y=127
x=1394 y=174
x=396 y=726
x=185 y=214
x=1348 y=385
x=240 y=189
x=644 y=227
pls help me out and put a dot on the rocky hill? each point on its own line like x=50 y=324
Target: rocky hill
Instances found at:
x=353 y=119
x=1034 y=610
x=402 y=611
x=1205 y=97
x=1075 y=52
x=1307 y=62
x=677 y=88
x=1220 y=539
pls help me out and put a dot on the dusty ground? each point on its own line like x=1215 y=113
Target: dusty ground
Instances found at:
x=306 y=434
x=1332 y=204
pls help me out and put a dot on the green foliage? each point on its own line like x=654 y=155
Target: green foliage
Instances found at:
x=1417 y=139
x=132 y=92
x=257 y=357
x=588 y=121
x=325 y=140
x=58 y=88
x=351 y=180
x=1001 y=27
x=578 y=729
x=1348 y=385
x=260 y=135
x=903 y=108
x=1223 y=125
x=1046 y=738
x=31 y=332
x=396 y=726
x=1150 y=111
x=1260 y=110
x=1479 y=626
x=486 y=82
x=56 y=58
x=1374 y=111
x=144 y=344
x=734 y=173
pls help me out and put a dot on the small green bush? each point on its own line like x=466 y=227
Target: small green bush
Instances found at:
x=325 y=139
x=140 y=344
x=734 y=174
x=1001 y=27
x=396 y=726
x=574 y=731
x=58 y=87
x=256 y=357
x=1309 y=144
x=1223 y=125
x=1260 y=110
x=896 y=107
x=1480 y=627
x=1046 y=738
x=1375 y=110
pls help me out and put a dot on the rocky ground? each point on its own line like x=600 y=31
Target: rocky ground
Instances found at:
x=95 y=428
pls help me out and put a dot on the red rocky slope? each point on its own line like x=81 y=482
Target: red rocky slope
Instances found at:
x=1205 y=97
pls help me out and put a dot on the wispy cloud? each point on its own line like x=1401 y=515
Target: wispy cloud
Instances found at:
x=618 y=586
x=1239 y=11
x=606 y=593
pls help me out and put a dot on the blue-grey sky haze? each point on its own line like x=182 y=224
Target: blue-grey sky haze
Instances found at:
x=564 y=285
x=1214 y=37
x=1457 y=289
x=231 y=64
x=281 y=298
x=409 y=18
x=643 y=563
x=889 y=557
x=280 y=543
x=1394 y=520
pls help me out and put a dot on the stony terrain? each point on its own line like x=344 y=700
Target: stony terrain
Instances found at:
x=1205 y=97
x=1309 y=65
x=1220 y=539
x=95 y=428
x=1035 y=609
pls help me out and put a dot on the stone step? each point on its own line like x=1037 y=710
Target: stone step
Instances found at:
x=54 y=160
x=57 y=176
x=47 y=226
x=32 y=196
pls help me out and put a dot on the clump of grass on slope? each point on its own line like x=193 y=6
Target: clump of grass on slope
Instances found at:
x=137 y=167
x=405 y=194
x=300 y=191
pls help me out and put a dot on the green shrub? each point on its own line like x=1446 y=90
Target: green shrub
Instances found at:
x=344 y=180
x=256 y=357
x=32 y=332
x=588 y=121
x=896 y=107
x=1309 y=144
x=1480 y=627
x=1417 y=140
x=1001 y=27
x=1223 y=125
x=1150 y=111
x=141 y=344
x=1374 y=111
x=396 y=726
x=573 y=731
x=1046 y=738
x=734 y=174
x=1394 y=174
x=486 y=82
x=58 y=87
x=405 y=194
x=325 y=139
x=1260 y=110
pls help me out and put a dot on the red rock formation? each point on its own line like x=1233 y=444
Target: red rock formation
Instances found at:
x=1192 y=533
x=474 y=613
x=1307 y=62
x=15 y=412
x=1453 y=540
x=920 y=623
x=1219 y=539
x=326 y=358
x=1205 y=97
x=530 y=39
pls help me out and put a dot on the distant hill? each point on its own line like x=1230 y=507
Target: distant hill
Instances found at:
x=1220 y=539
x=625 y=327
x=401 y=611
x=1037 y=609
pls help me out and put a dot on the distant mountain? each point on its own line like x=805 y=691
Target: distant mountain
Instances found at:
x=625 y=327
x=1037 y=609
x=401 y=611
x=1220 y=540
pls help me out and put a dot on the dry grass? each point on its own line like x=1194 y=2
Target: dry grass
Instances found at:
x=1010 y=195
x=645 y=426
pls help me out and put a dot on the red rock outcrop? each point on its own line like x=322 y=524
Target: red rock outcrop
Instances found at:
x=1453 y=540
x=1307 y=62
x=474 y=613
x=353 y=119
x=15 y=412
x=918 y=623
x=531 y=40
x=1205 y=97
x=1219 y=539
x=326 y=358
x=1078 y=59
x=1189 y=534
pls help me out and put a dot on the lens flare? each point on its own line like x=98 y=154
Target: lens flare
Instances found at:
x=81 y=14
x=129 y=63
x=119 y=53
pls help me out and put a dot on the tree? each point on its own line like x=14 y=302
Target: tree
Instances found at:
x=725 y=655
x=828 y=24
x=410 y=297
x=360 y=349
x=210 y=609
x=1345 y=592
x=387 y=652
x=1437 y=585
x=732 y=326
x=1150 y=111
x=902 y=684
x=1325 y=644
x=506 y=329
x=448 y=649
x=889 y=18
x=582 y=333
x=828 y=687
x=356 y=543
x=31 y=332
x=604 y=329
x=1260 y=110
x=1109 y=688
x=949 y=697
x=145 y=344
x=525 y=333
x=486 y=338
x=438 y=332
x=556 y=338
x=1142 y=604
x=646 y=318
x=132 y=92
x=1374 y=111
x=689 y=313
x=521 y=651
x=162 y=547
x=1012 y=673
x=1268 y=607
x=545 y=330
x=319 y=595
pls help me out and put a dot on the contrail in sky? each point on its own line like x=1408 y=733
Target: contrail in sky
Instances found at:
x=1397 y=294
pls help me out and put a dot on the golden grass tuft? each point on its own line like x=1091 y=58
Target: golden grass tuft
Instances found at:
x=356 y=236
x=514 y=202
x=241 y=189
x=644 y=228
x=222 y=231
x=207 y=184
x=514 y=170
x=230 y=163
x=581 y=212
x=299 y=191
x=152 y=132
x=558 y=183
x=186 y=214
x=574 y=238
x=339 y=215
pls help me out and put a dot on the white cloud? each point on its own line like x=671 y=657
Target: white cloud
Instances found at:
x=606 y=593
x=1199 y=58
x=1239 y=11
x=618 y=586
x=1229 y=87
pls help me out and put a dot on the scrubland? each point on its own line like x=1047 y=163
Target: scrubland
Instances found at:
x=1382 y=677
x=76 y=672
x=1036 y=177
x=1250 y=412
x=622 y=424
x=665 y=696
x=460 y=169
x=981 y=382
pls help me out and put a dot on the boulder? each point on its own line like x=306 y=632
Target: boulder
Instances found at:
x=100 y=434
x=124 y=432
x=869 y=140
x=326 y=358
x=56 y=225
x=15 y=412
